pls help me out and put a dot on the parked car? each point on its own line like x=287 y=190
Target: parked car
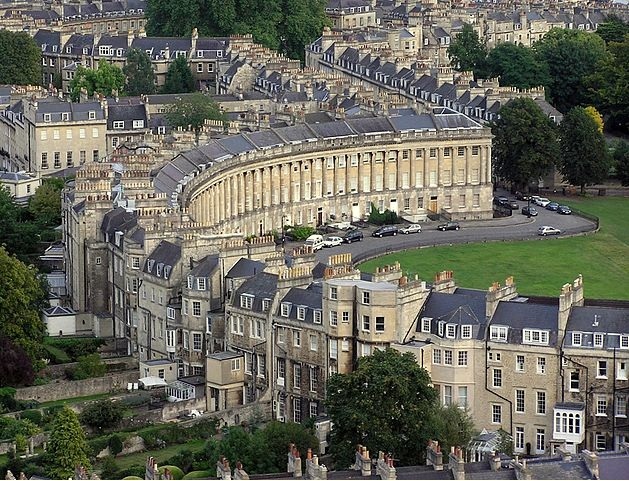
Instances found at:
x=315 y=242
x=513 y=205
x=501 y=201
x=530 y=211
x=535 y=198
x=564 y=209
x=552 y=206
x=385 y=230
x=450 y=225
x=332 y=241
x=542 y=201
x=353 y=236
x=521 y=196
x=548 y=230
x=411 y=229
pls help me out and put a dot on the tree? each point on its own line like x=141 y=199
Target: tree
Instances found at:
x=609 y=86
x=18 y=234
x=106 y=79
x=192 y=111
x=179 y=77
x=89 y=366
x=517 y=66
x=21 y=59
x=620 y=156
x=100 y=415
x=452 y=426
x=67 y=447
x=525 y=143
x=45 y=205
x=571 y=55
x=16 y=367
x=467 y=51
x=584 y=158
x=613 y=29
x=303 y=22
x=20 y=303
x=596 y=117
x=385 y=405
x=139 y=73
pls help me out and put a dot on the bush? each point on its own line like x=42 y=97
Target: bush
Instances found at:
x=386 y=217
x=134 y=472
x=89 y=366
x=115 y=444
x=57 y=356
x=98 y=444
x=200 y=475
x=301 y=232
x=34 y=416
x=75 y=348
x=109 y=468
x=176 y=473
x=100 y=415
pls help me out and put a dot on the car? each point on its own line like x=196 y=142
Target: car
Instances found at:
x=411 y=229
x=513 y=205
x=450 y=225
x=353 y=236
x=548 y=230
x=552 y=206
x=530 y=211
x=535 y=198
x=564 y=209
x=521 y=196
x=332 y=241
x=314 y=242
x=385 y=230
x=542 y=201
x=503 y=201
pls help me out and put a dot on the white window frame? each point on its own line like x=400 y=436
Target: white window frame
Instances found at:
x=466 y=331
x=246 y=301
x=498 y=333
x=577 y=338
x=426 y=323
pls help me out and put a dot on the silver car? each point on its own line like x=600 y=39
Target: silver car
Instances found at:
x=411 y=229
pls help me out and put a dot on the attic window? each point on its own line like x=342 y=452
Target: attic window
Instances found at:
x=190 y=282
x=118 y=124
x=91 y=115
x=86 y=51
x=266 y=304
x=68 y=49
x=426 y=324
x=160 y=266
x=46 y=117
x=301 y=313
x=201 y=283
x=150 y=265
x=65 y=116
x=138 y=124
x=167 y=270
x=466 y=332
x=285 y=309
x=246 y=301
x=199 y=53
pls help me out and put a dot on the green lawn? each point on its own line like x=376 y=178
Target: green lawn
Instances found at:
x=75 y=400
x=539 y=268
x=162 y=455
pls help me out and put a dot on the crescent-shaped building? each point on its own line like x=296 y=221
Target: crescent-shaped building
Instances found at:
x=307 y=174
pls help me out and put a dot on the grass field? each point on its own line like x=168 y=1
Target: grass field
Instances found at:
x=162 y=455
x=75 y=400
x=539 y=268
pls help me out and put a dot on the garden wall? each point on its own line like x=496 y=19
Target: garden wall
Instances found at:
x=70 y=389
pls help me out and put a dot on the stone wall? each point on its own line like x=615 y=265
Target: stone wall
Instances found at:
x=71 y=389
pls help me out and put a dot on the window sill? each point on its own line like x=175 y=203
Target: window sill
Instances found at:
x=600 y=415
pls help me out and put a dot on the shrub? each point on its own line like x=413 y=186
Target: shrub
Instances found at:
x=75 y=348
x=115 y=444
x=89 y=366
x=57 y=356
x=302 y=232
x=386 y=217
x=199 y=475
x=109 y=468
x=103 y=414
x=34 y=416
x=176 y=473
x=98 y=444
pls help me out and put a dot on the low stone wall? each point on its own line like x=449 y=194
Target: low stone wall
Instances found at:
x=70 y=389
x=172 y=410
x=33 y=442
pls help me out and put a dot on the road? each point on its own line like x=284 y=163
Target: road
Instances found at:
x=515 y=227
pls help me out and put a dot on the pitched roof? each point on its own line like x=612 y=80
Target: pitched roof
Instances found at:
x=205 y=267
x=160 y=262
x=261 y=286
x=245 y=268
x=309 y=298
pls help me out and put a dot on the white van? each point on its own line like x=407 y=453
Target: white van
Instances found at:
x=315 y=241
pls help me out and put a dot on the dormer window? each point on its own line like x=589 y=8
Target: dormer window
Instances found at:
x=167 y=270
x=577 y=338
x=498 y=333
x=317 y=316
x=138 y=124
x=46 y=117
x=535 y=336
x=441 y=326
x=201 y=283
x=301 y=313
x=160 y=267
x=54 y=48
x=119 y=52
x=624 y=342
x=190 y=282
x=150 y=265
x=65 y=116
x=333 y=293
x=86 y=51
x=450 y=331
x=426 y=324
x=266 y=305
x=91 y=115
x=285 y=309
x=466 y=332
x=199 y=53
x=246 y=301
x=598 y=340
x=118 y=124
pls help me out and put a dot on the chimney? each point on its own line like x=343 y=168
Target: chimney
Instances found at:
x=294 y=461
x=239 y=472
x=195 y=37
x=495 y=294
x=565 y=305
x=521 y=471
x=444 y=282
x=591 y=462
x=494 y=461
x=456 y=463
x=564 y=453
x=362 y=461
x=434 y=456
x=384 y=466
x=314 y=470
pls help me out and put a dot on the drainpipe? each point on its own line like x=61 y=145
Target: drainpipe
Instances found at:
x=487 y=349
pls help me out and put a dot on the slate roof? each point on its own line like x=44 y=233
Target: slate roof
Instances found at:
x=224 y=355
x=206 y=266
x=525 y=314
x=613 y=466
x=117 y=219
x=77 y=111
x=556 y=469
x=159 y=263
x=310 y=298
x=77 y=42
x=14 y=176
x=125 y=110
x=45 y=39
x=464 y=307
x=261 y=286
x=245 y=268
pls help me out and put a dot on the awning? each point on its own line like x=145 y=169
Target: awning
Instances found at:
x=152 y=381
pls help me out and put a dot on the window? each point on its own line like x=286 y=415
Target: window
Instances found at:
x=466 y=332
x=297 y=376
x=426 y=324
x=199 y=66
x=314 y=344
x=598 y=340
x=261 y=365
x=201 y=283
x=135 y=262
x=540 y=441
x=297 y=410
x=246 y=301
x=314 y=378
x=170 y=313
x=450 y=331
x=379 y=324
x=574 y=381
x=238 y=325
x=266 y=305
x=601 y=371
x=535 y=336
x=297 y=338
x=68 y=133
x=519 y=363
x=519 y=438
x=365 y=297
x=91 y=115
x=365 y=323
x=257 y=328
x=138 y=124
x=57 y=159
x=285 y=309
x=118 y=124
x=44 y=160
x=519 y=400
x=301 y=313
x=433 y=152
x=462 y=358
x=43 y=135
x=601 y=442
x=496 y=413
x=81 y=133
x=82 y=157
x=497 y=378
x=95 y=155
x=541 y=402
x=441 y=326
x=498 y=333
x=345 y=317
x=436 y=356
x=601 y=405
x=281 y=335
x=99 y=261
x=576 y=338
x=541 y=365
x=447 y=357
x=447 y=395
x=624 y=342
x=621 y=373
x=197 y=341
x=95 y=132
x=161 y=374
x=333 y=293
x=462 y=393
x=314 y=410
x=621 y=406
x=334 y=318
x=235 y=364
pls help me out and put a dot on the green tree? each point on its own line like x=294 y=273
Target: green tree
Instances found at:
x=67 y=447
x=139 y=73
x=452 y=426
x=385 y=404
x=468 y=52
x=620 y=157
x=517 y=66
x=16 y=367
x=173 y=19
x=525 y=143
x=192 y=111
x=20 y=303
x=104 y=80
x=303 y=22
x=613 y=29
x=100 y=415
x=45 y=205
x=584 y=158
x=89 y=366
x=179 y=77
x=19 y=235
x=571 y=55
x=21 y=59
x=609 y=86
